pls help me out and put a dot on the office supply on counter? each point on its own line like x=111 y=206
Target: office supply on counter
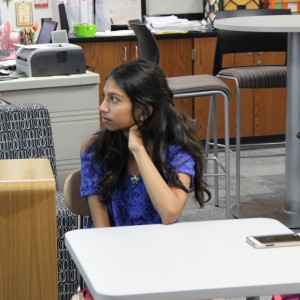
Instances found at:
x=45 y=32
x=64 y=24
x=183 y=261
x=85 y=30
x=114 y=33
x=50 y=59
x=171 y=24
x=59 y=36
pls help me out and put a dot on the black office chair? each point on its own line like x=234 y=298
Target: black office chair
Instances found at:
x=257 y=76
x=193 y=86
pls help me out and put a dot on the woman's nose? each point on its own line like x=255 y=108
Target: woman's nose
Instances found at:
x=103 y=106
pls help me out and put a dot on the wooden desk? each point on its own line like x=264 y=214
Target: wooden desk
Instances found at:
x=195 y=260
x=28 y=255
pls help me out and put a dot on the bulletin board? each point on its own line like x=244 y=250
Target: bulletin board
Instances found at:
x=24 y=13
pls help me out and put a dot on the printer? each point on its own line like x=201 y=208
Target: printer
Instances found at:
x=50 y=59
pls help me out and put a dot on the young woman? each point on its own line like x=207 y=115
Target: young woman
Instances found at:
x=140 y=168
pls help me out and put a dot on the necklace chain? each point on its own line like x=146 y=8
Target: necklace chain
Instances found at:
x=134 y=179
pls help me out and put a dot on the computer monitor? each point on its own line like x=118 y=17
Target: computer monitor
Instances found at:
x=45 y=34
x=64 y=24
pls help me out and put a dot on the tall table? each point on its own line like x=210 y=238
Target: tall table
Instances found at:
x=194 y=260
x=291 y=25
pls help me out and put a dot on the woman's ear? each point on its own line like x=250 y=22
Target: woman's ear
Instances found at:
x=149 y=109
x=144 y=114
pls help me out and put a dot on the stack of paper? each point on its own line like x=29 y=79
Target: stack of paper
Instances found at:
x=171 y=24
x=114 y=33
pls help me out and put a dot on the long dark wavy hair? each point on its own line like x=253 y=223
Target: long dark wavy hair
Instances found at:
x=146 y=86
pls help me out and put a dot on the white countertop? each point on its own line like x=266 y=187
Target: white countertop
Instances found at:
x=273 y=23
x=24 y=83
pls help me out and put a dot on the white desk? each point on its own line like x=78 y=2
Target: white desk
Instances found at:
x=290 y=24
x=73 y=104
x=197 y=260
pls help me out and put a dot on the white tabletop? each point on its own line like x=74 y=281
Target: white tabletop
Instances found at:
x=273 y=23
x=196 y=260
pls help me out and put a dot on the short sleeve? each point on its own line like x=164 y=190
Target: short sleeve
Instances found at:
x=91 y=173
x=180 y=160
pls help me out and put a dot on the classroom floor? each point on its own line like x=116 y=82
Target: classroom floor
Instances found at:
x=261 y=177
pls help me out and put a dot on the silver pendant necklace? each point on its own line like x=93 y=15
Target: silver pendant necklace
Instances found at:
x=134 y=179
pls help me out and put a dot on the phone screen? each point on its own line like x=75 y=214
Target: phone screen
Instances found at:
x=278 y=238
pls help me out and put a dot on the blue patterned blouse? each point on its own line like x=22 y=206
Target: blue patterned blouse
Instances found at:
x=130 y=203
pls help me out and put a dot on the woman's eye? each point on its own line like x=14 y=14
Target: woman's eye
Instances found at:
x=114 y=99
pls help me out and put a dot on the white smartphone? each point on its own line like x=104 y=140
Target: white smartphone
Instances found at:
x=276 y=240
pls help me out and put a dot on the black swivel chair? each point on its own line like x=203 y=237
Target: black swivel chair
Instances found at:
x=192 y=86
x=258 y=76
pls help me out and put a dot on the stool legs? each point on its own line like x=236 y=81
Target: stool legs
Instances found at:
x=80 y=220
x=212 y=119
x=238 y=144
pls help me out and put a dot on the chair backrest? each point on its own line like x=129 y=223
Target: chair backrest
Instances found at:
x=75 y=203
x=243 y=42
x=148 y=47
x=25 y=132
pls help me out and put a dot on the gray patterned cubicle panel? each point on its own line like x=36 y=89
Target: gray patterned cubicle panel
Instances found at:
x=25 y=132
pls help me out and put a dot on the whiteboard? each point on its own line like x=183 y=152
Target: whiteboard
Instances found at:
x=166 y=7
x=124 y=10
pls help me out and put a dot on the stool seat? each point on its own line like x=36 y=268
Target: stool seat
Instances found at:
x=258 y=77
x=197 y=84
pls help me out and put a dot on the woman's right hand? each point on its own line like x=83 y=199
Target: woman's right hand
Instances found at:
x=135 y=138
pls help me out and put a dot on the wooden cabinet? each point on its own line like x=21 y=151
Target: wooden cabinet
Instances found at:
x=262 y=110
x=269 y=105
x=102 y=57
x=175 y=60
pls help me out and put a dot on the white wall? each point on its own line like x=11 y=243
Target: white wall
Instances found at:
x=8 y=13
x=153 y=7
